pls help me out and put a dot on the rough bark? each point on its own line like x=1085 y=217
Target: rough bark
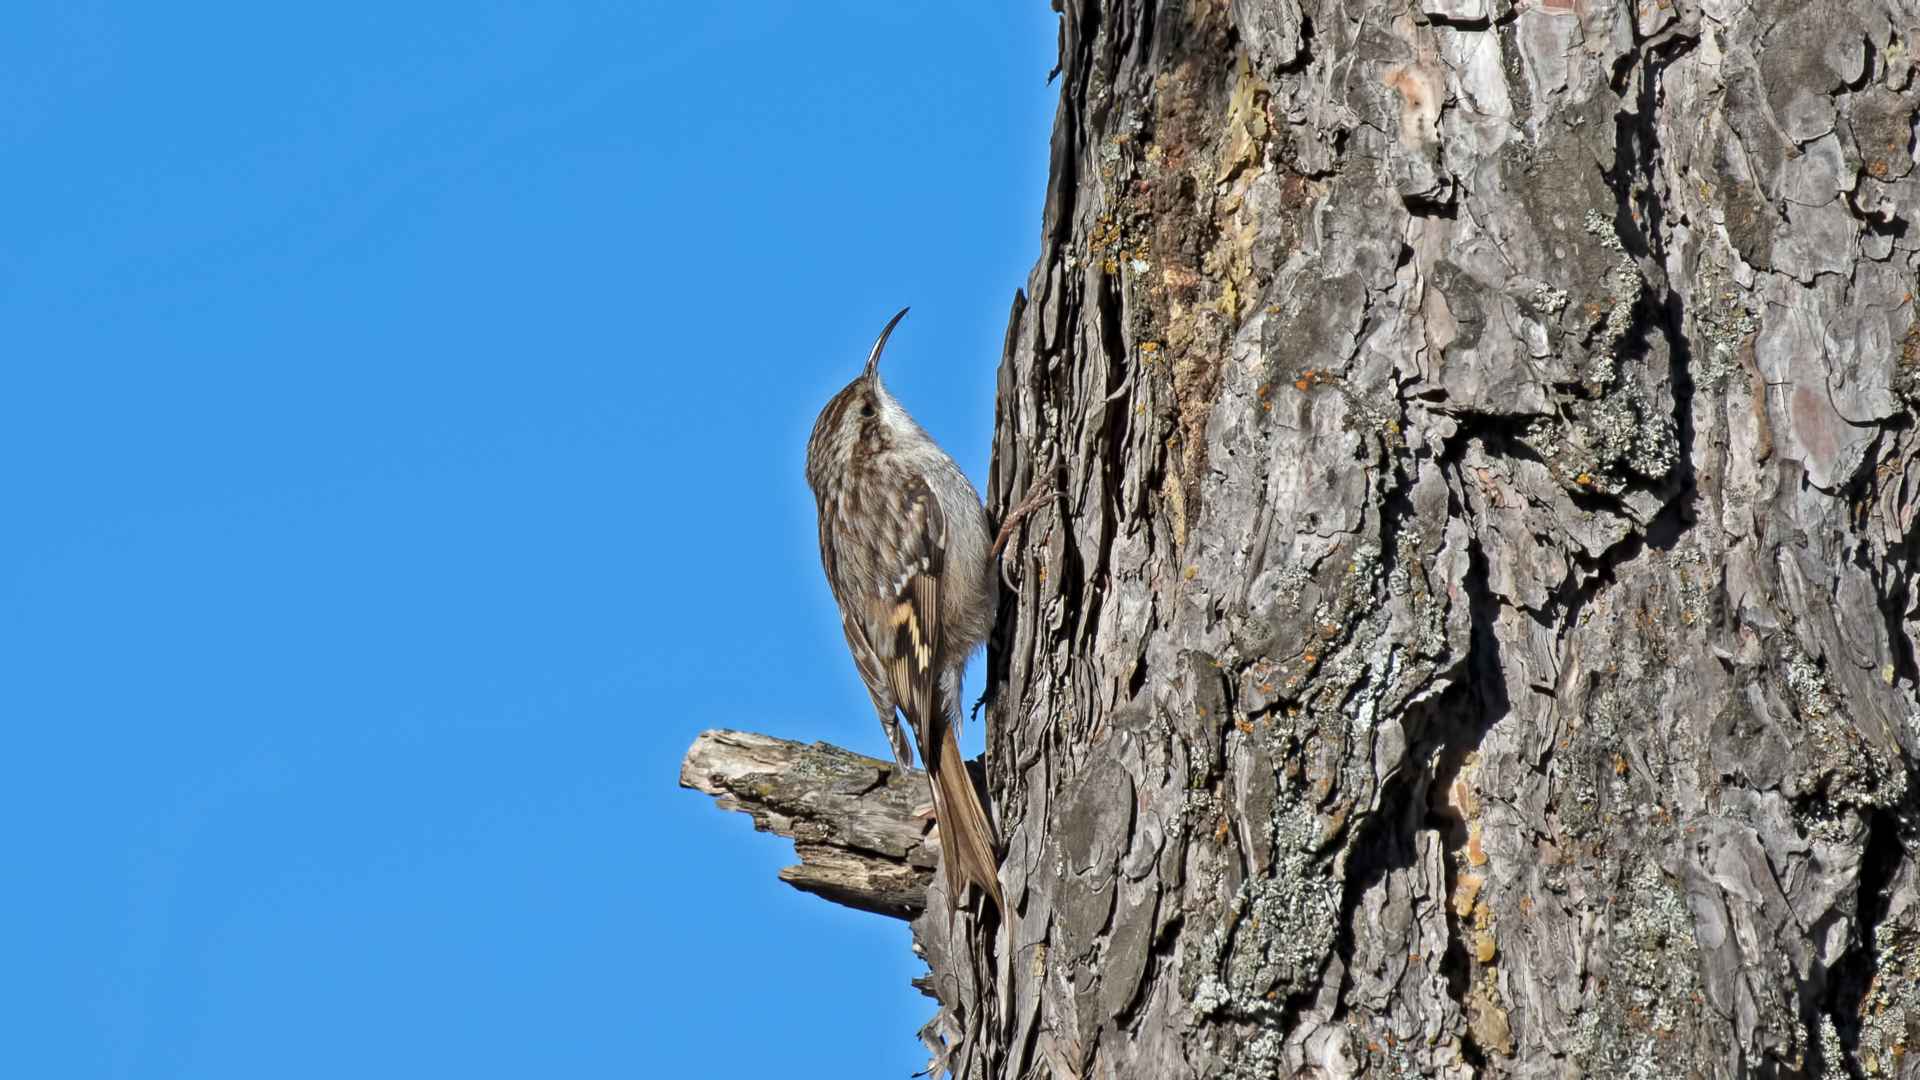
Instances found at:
x=1477 y=636
x=851 y=818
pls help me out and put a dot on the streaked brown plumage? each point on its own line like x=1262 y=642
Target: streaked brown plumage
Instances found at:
x=905 y=544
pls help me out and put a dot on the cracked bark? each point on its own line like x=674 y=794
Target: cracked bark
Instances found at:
x=850 y=817
x=1478 y=636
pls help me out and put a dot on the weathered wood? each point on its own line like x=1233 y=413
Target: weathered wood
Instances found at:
x=850 y=817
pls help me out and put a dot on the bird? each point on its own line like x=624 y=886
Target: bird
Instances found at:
x=908 y=553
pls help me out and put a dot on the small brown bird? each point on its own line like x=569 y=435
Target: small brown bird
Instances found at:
x=905 y=543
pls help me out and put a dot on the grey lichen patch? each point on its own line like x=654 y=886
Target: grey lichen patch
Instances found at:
x=1834 y=765
x=1409 y=559
x=1589 y=772
x=1380 y=422
x=1890 y=1012
x=1808 y=683
x=1615 y=430
x=1349 y=593
x=1847 y=771
x=1636 y=1026
x=1624 y=286
x=1624 y=438
x=1726 y=326
x=1627 y=432
x=1690 y=566
x=1544 y=436
x=1262 y=1056
x=1549 y=300
x=1279 y=588
x=1279 y=930
x=1833 y=1064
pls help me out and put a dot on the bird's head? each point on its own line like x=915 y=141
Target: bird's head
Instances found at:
x=860 y=421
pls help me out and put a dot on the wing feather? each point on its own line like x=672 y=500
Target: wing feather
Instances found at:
x=914 y=608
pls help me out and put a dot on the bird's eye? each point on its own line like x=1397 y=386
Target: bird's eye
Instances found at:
x=866 y=409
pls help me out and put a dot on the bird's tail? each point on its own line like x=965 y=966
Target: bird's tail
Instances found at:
x=971 y=853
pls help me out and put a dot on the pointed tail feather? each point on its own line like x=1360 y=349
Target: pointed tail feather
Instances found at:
x=966 y=835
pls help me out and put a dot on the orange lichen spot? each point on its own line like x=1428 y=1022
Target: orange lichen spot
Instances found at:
x=1475 y=854
x=1465 y=893
x=1583 y=478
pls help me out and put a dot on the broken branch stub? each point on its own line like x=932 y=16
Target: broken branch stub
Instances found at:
x=850 y=817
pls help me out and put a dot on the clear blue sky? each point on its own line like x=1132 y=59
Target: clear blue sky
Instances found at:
x=402 y=409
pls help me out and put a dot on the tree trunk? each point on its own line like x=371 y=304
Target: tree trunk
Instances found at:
x=1473 y=632
x=1476 y=633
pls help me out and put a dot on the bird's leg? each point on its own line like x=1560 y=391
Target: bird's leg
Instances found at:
x=1037 y=496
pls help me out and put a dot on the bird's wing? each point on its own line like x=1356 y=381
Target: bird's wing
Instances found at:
x=874 y=674
x=912 y=609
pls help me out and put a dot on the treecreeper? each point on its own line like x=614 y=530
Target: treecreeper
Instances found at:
x=905 y=543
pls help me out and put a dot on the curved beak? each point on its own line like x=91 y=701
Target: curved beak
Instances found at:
x=873 y=359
